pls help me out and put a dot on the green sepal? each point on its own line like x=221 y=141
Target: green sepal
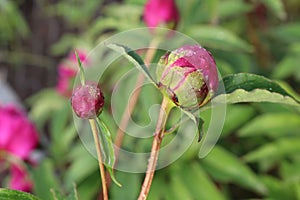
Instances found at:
x=112 y=175
x=200 y=129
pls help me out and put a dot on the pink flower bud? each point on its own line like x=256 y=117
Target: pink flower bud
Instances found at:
x=161 y=12
x=87 y=100
x=188 y=75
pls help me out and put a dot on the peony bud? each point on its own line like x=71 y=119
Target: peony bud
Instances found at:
x=188 y=75
x=160 y=12
x=87 y=100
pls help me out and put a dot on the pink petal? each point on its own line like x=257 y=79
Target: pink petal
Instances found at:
x=17 y=134
x=19 y=179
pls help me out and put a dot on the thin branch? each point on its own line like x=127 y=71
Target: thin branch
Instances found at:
x=99 y=155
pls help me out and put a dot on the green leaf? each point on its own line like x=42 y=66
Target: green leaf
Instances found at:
x=44 y=104
x=112 y=176
x=82 y=77
x=64 y=44
x=107 y=148
x=130 y=190
x=106 y=143
x=134 y=58
x=258 y=95
x=277 y=7
x=231 y=8
x=245 y=87
x=73 y=194
x=218 y=38
x=199 y=183
x=288 y=66
x=275 y=150
x=89 y=187
x=290 y=171
x=156 y=191
x=250 y=82
x=272 y=124
x=12 y=22
x=58 y=196
x=129 y=11
x=236 y=116
x=78 y=157
x=278 y=190
x=225 y=166
x=45 y=178
x=287 y=32
x=178 y=188
x=6 y=194
x=289 y=89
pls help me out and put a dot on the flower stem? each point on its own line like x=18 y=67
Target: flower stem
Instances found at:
x=100 y=160
x=166 y=106
x=133 y=100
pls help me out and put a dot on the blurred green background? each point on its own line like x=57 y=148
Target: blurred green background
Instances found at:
x=258 y=154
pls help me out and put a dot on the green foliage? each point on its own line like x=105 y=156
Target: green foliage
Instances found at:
x=107 y=148
x=7 y=194
x=218 y=38
x=134 y=58
x=58 y=196
x=12 y=23
x=253 y=88
x=257 y=53
x=226 y=167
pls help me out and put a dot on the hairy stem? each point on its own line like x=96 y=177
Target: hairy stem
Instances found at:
x=100 y=160
x=166 y=106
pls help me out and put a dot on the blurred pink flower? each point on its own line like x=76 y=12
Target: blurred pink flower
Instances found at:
x=158 y=12
x=18 y=138
x=19 y=179
x=81 y=54
x=66 y=75
x=67 y=71
x=18 y=135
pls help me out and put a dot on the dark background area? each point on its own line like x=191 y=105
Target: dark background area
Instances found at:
x=27 y=61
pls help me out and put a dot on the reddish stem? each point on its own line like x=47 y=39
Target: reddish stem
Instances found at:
x=159 y=133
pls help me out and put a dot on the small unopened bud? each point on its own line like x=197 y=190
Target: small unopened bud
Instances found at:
x=87 y=100
x=188 y=75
